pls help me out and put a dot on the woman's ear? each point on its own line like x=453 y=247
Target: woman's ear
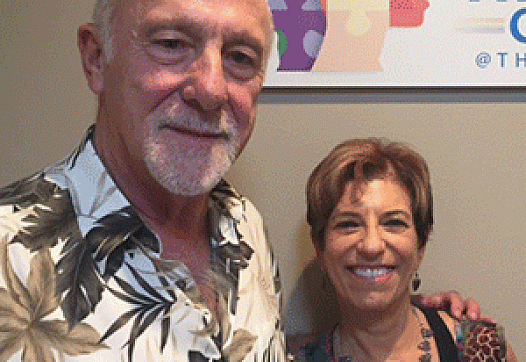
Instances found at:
x=315 y=241
x=91 y=52
x=319 y=252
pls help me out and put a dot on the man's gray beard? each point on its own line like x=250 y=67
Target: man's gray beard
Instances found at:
x=189 y=172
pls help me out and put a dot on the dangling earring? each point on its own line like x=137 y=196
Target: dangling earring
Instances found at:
x=415 y=283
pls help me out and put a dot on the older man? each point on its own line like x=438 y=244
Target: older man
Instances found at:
x=185 y=274
x=134 y=248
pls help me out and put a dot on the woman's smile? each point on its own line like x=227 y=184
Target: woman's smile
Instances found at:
x=371 y=244
x=371 y=273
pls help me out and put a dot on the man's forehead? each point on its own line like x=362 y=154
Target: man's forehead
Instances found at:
x=221 y=10
x=259 y=6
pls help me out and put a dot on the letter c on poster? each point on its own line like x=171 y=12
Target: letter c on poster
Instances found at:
x=514 y=25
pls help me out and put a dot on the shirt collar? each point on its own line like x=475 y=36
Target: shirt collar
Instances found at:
x=95 y=196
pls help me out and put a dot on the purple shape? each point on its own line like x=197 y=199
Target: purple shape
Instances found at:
x=300 y=17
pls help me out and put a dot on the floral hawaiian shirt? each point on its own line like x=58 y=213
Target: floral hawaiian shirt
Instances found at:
x=81 y=278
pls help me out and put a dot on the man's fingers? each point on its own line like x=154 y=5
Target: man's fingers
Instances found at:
x=457 y=305
x=433 y=301
x=472 y=310
x=452 y=302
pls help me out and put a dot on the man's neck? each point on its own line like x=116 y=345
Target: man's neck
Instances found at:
x=180 y=222
x=169 y=216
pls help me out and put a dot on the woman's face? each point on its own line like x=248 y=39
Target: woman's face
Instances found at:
x=371 y=249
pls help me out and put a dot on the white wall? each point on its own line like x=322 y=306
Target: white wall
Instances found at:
x=45 y=102
x=475 y=152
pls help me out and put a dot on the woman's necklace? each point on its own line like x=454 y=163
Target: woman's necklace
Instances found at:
x=424 y=346
x=338 y=345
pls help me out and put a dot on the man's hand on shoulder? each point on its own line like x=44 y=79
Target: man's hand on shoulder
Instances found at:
x=451 y=302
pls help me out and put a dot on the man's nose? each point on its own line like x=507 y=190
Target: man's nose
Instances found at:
x=207 y=85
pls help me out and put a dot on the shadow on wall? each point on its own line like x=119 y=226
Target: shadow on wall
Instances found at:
x=312 y=307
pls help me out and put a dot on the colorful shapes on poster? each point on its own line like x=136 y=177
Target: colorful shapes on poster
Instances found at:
x=407 y=13
x=300 y=26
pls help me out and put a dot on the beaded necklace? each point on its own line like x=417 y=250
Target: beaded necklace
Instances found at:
x=424 y=346
x=426 y=333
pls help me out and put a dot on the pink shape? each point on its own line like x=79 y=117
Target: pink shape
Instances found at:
x=407 y=13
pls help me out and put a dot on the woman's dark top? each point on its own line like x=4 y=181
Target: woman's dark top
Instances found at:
x=322 y=350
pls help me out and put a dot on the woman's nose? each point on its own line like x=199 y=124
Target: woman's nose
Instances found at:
x=372 y=244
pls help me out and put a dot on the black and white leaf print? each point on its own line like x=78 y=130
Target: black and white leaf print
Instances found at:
x=52 y=217
x=148 y=306
x=196 y=356
x=116 y=233
x=27 y=191
x=78 y=280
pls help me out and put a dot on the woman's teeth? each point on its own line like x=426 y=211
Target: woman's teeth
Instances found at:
x=371 y=272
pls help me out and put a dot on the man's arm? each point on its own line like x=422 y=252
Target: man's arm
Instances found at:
x=452 y=302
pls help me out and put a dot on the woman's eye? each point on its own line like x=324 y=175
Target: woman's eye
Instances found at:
x=396 y=225
x=346 y=225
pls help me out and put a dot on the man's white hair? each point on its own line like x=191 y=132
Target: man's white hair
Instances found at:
x=102 y=18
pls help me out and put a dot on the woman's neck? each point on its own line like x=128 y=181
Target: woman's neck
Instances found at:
x=378 y=335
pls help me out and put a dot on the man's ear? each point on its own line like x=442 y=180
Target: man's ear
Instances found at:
x=90 y=46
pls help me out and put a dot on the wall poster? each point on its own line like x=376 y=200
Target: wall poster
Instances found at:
x=398 y=43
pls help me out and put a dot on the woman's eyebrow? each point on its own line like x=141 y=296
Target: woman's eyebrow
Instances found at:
x=398 y=212
x=345 y=214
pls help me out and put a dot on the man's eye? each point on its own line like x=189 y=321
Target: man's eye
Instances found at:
x=241 y=58
x=169 y=47
x=172 y=44
x=242 y=64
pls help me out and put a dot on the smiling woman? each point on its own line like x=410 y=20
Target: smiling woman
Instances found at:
x=371 y=249
x=370 y=212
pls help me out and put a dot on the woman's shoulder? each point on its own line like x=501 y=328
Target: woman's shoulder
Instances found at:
x=479 y=339
x=450 y=322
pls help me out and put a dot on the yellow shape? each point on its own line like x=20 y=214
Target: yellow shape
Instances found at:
x=358 y=23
